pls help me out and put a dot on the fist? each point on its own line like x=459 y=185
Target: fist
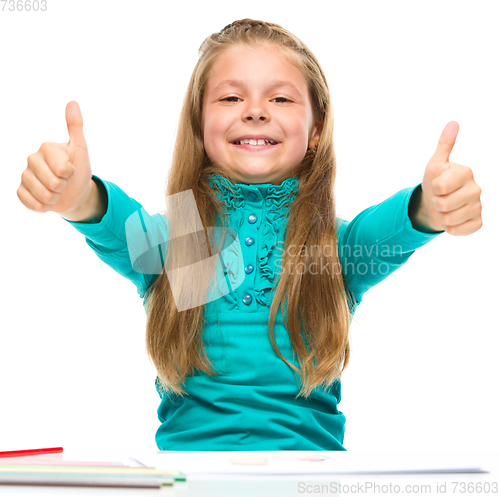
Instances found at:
x=58 y=177
x=450 y=196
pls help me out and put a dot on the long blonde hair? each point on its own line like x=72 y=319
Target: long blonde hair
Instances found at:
x=321 y=303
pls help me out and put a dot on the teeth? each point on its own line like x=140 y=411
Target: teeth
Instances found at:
x=248 y=141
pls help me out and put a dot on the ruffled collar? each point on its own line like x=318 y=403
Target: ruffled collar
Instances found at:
x=239 y=194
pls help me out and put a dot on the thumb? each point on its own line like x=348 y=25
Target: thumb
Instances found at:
x=446 y=143
x=74 y=121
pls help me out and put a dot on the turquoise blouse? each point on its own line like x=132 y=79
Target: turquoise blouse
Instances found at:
x=253 y=404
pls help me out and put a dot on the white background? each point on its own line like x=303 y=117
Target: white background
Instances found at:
x=424 y=371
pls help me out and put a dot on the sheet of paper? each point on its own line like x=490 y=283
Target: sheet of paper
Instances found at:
x=316 y=462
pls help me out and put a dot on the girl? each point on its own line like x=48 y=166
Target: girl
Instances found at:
x=254 y=153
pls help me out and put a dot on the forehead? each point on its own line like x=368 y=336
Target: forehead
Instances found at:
x=243 y=65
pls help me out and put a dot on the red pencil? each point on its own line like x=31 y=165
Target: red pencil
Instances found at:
x=31 y=452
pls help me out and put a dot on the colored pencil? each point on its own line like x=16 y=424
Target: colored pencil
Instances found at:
x=30 y=452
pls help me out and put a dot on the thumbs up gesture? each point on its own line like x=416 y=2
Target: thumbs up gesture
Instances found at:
x=450 y=199
x=59 y=177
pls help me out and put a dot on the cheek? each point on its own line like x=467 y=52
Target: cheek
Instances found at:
x=213 y=128
x=211 y=138
x=301 y=137
x=299 y=129
x=300 y=142
x=208 y=143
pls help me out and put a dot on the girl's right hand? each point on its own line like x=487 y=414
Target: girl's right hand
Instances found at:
x=58 y=177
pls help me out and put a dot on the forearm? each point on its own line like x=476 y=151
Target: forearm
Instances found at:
x=379 y=240
x=94 y=208
x=126 y=237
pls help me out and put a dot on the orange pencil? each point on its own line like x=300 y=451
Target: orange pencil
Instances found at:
x=30 y=452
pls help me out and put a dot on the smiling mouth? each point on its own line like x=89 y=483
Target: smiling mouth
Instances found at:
x=255 y=142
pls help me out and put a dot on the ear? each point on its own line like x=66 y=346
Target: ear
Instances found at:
x=315 y=135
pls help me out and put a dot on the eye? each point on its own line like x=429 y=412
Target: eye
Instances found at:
x=282 y=98
x=228 y=99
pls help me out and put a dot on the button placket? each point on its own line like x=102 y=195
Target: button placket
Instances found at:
x=250 y=255
x=261 y=201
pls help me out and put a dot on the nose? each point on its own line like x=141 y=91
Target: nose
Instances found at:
x=251 y=117
x=255 y=111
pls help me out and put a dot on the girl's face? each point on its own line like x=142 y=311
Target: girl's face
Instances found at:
x=257 y=93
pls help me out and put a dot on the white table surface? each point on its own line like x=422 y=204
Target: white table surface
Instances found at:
x=254 y=485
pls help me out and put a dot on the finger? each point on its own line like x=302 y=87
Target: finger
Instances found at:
x=446 y=143
x=465 y=195
x=451 y=179
x=74 y=121
x=29 y=201
x=461 y=215
x=466 y=228
x=38 y=191
x=55 y=157
x=43 y=173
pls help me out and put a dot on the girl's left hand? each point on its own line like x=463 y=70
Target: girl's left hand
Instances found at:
x=450 y=198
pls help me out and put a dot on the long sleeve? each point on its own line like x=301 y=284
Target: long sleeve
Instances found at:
x=127 y=238
x=378 y=241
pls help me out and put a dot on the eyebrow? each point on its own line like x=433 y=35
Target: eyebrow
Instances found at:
x=241 y=84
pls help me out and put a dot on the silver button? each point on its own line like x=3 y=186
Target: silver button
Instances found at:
x=247 y=298
x=249 y=268
x=252 y=195
x=249 y=241
x=252 y=219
